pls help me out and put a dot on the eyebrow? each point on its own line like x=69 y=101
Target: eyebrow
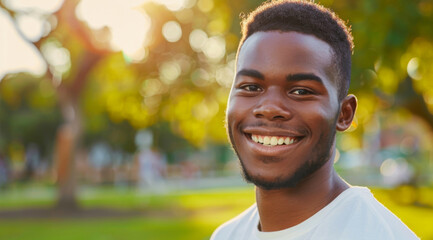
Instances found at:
x=291 y=77
x=250 y=73
x=304 y=76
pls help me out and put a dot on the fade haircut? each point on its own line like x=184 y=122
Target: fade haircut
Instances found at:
x=308 y=18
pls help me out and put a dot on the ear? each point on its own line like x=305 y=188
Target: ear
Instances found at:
x=347 y=112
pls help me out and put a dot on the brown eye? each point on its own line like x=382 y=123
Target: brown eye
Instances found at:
x=301 y=92
x=251 y=88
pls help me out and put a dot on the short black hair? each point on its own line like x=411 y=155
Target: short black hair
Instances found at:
x=308 y=18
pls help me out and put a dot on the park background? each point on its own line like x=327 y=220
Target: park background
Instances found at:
x=112 y=115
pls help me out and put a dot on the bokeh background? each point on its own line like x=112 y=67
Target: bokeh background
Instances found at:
x=112 y=115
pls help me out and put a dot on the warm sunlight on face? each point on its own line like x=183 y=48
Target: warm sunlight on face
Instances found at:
x=128 y=25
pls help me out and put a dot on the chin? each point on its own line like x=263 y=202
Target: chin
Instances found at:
x=282 y=181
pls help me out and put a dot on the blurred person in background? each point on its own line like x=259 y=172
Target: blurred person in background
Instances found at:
x=32 y=161
x=288 y=99
x=152 y=164
x=4 y=171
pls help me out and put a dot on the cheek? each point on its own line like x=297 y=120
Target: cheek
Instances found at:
x=232 y=113
x=231 y=105
x=237 y=109
x=321 y=115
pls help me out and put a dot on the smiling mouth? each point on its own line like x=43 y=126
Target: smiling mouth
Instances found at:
x=273 y=140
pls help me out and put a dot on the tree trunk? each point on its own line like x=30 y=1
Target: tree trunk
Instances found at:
x=68 y=136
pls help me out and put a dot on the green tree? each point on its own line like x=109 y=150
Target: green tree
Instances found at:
x=182 y=84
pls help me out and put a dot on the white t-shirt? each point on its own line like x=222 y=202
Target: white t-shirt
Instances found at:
x=354 y=214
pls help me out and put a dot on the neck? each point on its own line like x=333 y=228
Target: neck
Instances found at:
x=284 y=208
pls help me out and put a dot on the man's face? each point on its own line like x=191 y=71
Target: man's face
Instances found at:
x=283 y=107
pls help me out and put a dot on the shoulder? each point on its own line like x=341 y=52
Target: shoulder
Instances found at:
x=238 y=226
x=361 y=216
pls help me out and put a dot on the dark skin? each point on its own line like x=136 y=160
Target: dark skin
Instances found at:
x=285 y=87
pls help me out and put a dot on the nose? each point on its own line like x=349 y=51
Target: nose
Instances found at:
x=273 y=107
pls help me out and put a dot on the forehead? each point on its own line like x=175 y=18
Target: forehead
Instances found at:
x=286 y=52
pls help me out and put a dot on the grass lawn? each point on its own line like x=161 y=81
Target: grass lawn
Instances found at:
x=184 y=215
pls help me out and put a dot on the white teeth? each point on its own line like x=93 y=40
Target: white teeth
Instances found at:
x=272 y=140
x=280 y=141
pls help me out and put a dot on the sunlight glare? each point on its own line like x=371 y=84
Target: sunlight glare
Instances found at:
x=57 y=56
x=205 y=5
x=31 y=26
x=128 y=25
x=137 y=56
x=215 y=48
x=224 y=75
x=151 y=87
x=45 y=6
x=389 y=167
x=412 y=69
x=175 y=5
x=17 y=55
x=172 y=31
x=169 y=72
x=189 y=3
x=197 y=39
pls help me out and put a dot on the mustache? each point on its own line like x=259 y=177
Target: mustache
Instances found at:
x=276 y=125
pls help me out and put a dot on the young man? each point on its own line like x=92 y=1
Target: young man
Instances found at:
x=288 y=99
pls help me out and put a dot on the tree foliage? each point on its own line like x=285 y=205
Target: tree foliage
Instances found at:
x=184 y=85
